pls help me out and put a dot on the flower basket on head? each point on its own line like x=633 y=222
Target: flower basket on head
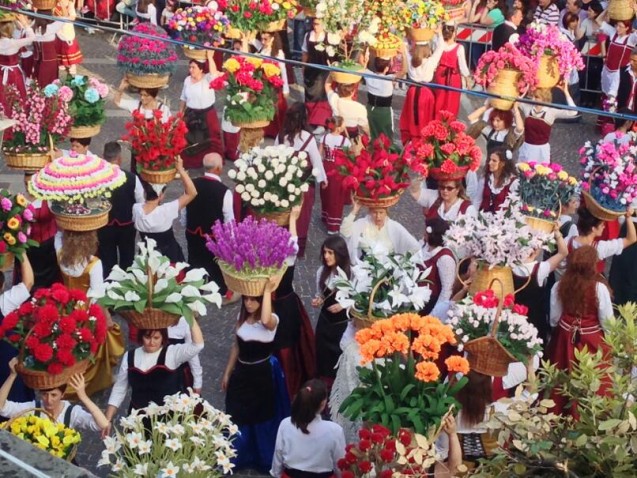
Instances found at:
x=16 y=217
x=422 y=19
x=446 y=150
x=86 y=99
x=147 y=62
x=387 y=45
x=203 y=26
x=609 y=178
x=272 y=180
x=455 y=10
x=156 y=144
x=78 y=187
x=543 y=189
x=57 y=332
x=249 y=253
x=42 y=119
x=44 y=4
x=506 y=73
x=621 y=10
x=150 y=296
x=377 y=174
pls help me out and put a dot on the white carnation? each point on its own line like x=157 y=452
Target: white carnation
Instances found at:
x=269 y=175
x=285 y=203
x=232 y=174
x=250 y=187
x=241 y=176
x=245 y=196
x=261 y=183
x=305 y=187
x=291 y=188
x=240 y=188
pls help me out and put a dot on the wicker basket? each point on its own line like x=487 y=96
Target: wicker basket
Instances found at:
x=148 y=81
x=548 y=73
x=345 y=78
x=196 y=54
x=158 y=177
x=150 y=318
x=598 y=210
x=27 y=161
x=361 y=320
x=621 y=10
x=44 y=4
x=90 y=222
x=439 y=175
x=381 y=203
x=40 y=380
x=85 y=131
x=273 y=27
x=505 y=86
x=421 y=34
x=280 y=218
x=6 y=261
x=386 y=53
x=252 y=124
x=541 y=225
x=485 y=276
x=252 y=286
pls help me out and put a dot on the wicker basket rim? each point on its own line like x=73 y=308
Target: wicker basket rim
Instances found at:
x=598 y=206
x=65 y=215
x=253 y=277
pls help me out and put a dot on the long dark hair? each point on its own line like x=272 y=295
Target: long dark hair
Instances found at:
x=509 y=171
x=586 y=221
x=307 y=403
x=294 y=123
x=341 y=254
x=475 y=397
x=243 y=313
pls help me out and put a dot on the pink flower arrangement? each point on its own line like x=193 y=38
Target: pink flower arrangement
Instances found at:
x=37 y=117
x=507 y=57
x=541 y=39
x=609 y=174
x=201 y=25
x=255 y=15
x=146 y=56
x=544 y=187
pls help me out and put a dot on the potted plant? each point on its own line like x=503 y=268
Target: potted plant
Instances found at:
x=506 y=73
x=86 y=97
x=44 y=433
x=149 y=293
x=447 y=150
x=186 y=435
x=383 y=284
x=250 y=253
x=609 y=178
x=251 y=86
x=57 y=332
x=554 y=55
x=156 y=144
x=203 y=26
x=272 y=180
x=77 y=187
x=423 y=18
x=42 y=119
x=543 y=189
x=376 y=174
x=16 y=217
x=480 y=316
x=403 y=387
x=147 y=62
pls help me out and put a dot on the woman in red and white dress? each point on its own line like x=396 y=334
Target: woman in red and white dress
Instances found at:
x=68 y=49
x=622 y=41
x=10 y=71
x=447 y=203
x=45 y=69
x=272 y=47
x=499 y=178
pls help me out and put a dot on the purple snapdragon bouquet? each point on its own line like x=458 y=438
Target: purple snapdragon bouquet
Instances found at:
x=251 y=248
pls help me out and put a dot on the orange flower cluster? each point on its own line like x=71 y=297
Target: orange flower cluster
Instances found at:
x=455 y=364
x=403 y=333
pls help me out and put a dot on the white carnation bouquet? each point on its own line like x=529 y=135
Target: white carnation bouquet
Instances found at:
x=272 y=179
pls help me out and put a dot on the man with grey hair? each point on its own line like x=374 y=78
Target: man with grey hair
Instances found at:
x=213 y=202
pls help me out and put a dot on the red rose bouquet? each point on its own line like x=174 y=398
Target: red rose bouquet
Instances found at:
x=447 y=151
x=56 y=330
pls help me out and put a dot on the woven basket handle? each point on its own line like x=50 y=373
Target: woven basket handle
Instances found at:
x=150 y=285
x=496 y=322
x=21 y=352
x=464 y=283
x=384 y=280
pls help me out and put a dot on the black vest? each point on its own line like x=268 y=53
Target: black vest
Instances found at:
x=123 y=199
x=207 y=207
x=501 y=35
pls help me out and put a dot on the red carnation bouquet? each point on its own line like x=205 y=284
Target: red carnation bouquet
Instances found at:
x=56 y=330
x=445 y=148
x=377 y=171
x=156 y=143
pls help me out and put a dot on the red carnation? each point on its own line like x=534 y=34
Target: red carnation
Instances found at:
x=364 y=434
x=448 y=148
x=15 y=338
x=405 y=437
x=509 y=300
x=365 y=445
x=347 y=474
x=86 y=335
x=55 y=368
x=26 y=308
x=43 y=352
x=65 y=341
x=365 y=466
x=67 y=325
x=47 y=313
x=350 y=457
x=77 y=295
x=520 y=309
x=386 y=474
x=79 y=315
x=386 y=455
x=41 y=329
x=66 y=357
x=449 y=167
x=11 y=320
x=457 y=126
x=447 y=116
x=61 y=295
x=377 y=438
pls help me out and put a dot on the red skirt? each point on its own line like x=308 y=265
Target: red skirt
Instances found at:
x=418 y=110
x=103 y=9
x=45 y=69
x=333 y=198
x=11 y=74
x=303 y=223
x=231 y=146
x=68 y=53
x=447 y=100
x=272 y=130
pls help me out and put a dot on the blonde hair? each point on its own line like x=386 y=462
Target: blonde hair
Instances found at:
x=6 y=29
x=543 y=94
x=77 y=247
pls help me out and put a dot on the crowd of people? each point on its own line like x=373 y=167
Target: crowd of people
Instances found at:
x=281 y=371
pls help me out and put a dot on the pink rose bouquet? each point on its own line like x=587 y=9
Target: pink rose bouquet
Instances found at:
x=507 y=57
x=146 y=56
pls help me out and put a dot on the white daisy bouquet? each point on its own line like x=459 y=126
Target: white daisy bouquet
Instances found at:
x=186 y=436
x=384 y=284
x=152 y=282
x=272 y=179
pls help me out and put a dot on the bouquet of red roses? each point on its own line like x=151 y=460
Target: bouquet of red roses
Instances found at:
x=445 y=148
x=57 y=331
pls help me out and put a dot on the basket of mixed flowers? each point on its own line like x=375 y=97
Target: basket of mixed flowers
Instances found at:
x=201 y=26
x=16 y=217
x=86 y=98
x=423 y=17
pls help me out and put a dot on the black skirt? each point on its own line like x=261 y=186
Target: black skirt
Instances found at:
x=250 y=398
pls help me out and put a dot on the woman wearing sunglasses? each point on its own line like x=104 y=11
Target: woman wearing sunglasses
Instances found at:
x=447 y=202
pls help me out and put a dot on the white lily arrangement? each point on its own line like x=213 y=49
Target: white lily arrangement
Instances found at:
x=186 y=436
x=151 y=282
x=272 y=179
x=399 y=280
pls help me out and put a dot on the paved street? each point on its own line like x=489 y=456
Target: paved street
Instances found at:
x=100 y=56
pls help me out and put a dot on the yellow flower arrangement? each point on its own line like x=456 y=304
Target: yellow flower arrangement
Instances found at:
x=270 y=70
x=544 y=187
x=231 y=65
x=42 y=433
x=257 y=62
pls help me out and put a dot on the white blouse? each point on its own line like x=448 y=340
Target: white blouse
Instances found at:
x=150 y=15
x=604 y=305
x=159 y=219
x=257 y=332
x=446 y=266
x=198 y=95
x=429 y=196
x=49 y=32
x=354 y=113
x=79 y=419
x=11 y=46
x=131 y=105
x=425 y=72
x=312 y=151
x=179 y=331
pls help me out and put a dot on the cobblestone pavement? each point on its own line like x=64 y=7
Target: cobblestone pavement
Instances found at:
x=99 y=59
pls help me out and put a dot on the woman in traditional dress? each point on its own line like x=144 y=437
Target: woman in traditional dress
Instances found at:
x=498 y=180
x=82 y=270
x=622 y=41
x=499 y=128
x=295 y=134
x=68 y=48
x=315 y=96
x=197 y=102
x=146 y=11
x=152 y=370
x=155 y=220
x=451 y=68
x=271 y=46
x=419 y=106
x=11 y=72
x=45 y=68
x=256 y=394
x=332 y=320
x=447 y=203
x=343 y=104
x=580 y=304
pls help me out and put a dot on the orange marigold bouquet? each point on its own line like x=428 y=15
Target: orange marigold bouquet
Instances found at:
x=406 y=388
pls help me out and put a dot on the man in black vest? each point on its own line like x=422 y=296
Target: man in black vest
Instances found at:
x=627 y=91
x=117 y=238
x=213 y=202
x=507 y=32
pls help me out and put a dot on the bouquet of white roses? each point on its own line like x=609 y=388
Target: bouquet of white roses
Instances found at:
x=272 y=179
x=390 y=283
x=151 y=283
x=186 y=436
